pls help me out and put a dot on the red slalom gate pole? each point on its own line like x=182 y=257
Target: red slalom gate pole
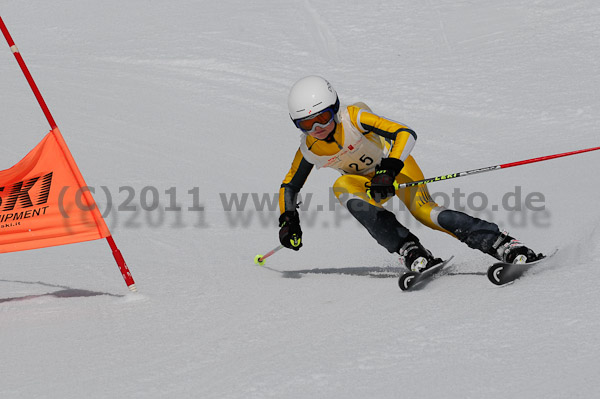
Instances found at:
x=38 y=95
x=122 y=265
x=21 y=62
x=496 y=167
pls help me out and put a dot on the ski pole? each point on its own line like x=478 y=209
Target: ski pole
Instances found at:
x=260 y=259
x=490 y=168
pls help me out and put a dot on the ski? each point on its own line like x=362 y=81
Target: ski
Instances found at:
x=410 y=280
x=502 y=273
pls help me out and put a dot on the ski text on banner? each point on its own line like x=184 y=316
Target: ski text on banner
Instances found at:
x=44 y=200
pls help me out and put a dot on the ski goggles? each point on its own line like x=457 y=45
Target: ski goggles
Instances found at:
x=309 y=123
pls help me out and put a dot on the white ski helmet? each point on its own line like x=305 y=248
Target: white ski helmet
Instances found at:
x=310 y=95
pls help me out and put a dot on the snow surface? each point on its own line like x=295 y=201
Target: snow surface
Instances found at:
x=192 y=95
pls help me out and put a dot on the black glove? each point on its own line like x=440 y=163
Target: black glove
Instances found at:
x=290 y=234
x=382 y=184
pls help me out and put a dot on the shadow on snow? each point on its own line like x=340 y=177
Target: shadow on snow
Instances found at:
x=63 y=292
x=375 y=272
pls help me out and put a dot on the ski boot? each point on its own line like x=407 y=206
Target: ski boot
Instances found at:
x=416 y=258
x=510 y=250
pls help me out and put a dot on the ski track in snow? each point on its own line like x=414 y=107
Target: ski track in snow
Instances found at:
x=191 y=95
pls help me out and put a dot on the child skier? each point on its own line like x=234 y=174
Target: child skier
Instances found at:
x=373 y=154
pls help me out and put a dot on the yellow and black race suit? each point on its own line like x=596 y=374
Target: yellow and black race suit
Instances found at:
x=360 y=140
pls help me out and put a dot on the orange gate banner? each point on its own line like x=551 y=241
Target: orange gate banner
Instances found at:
x=44 y=200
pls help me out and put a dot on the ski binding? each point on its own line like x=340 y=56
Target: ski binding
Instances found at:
x=410 y=279
x=502 y=273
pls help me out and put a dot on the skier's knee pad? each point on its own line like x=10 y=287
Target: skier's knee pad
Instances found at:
x=476 y=233
x=380 y=223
